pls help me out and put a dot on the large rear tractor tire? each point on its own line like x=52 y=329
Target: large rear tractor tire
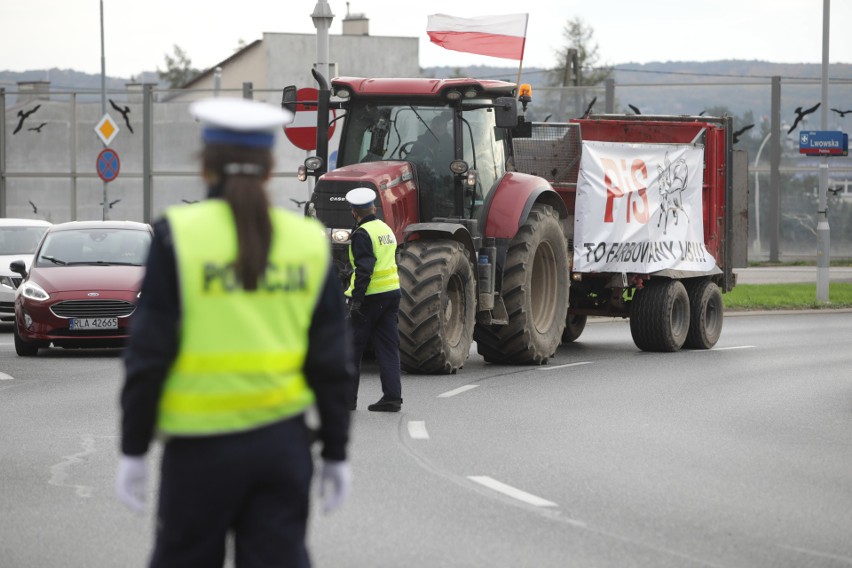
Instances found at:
x=438 y=307
x=535 y=293
x=659 y=316
x=706 y=313
x=574 y=326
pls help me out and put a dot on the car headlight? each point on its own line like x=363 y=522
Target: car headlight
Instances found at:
x=6 y=282
x=33 y=291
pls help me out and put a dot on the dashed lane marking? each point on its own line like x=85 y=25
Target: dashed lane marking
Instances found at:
x=459 y=390
x=5 y=377
x=417 y=430
x=554 y=368
x=730 y=348
x=510 y=491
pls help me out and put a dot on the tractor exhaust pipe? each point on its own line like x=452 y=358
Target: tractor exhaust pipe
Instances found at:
x=322 y=121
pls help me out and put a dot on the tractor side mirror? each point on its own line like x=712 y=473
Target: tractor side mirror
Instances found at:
x=506 y=112
x=288 y=98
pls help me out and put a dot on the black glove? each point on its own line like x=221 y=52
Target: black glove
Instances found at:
x=355 y=311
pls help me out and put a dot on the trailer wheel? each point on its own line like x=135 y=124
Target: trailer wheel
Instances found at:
x=438 y=307
x=535 y=292
x=706 y=313
x=659 y=316
x=574 y=326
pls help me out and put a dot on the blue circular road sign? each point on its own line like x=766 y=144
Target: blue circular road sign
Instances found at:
x=108 y=164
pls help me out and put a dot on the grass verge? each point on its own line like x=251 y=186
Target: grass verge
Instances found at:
x=787 y=297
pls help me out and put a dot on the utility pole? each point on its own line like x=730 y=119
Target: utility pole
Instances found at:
x=103 y=98
x=823 y=230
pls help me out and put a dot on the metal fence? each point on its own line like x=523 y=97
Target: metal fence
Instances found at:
x=48 y=151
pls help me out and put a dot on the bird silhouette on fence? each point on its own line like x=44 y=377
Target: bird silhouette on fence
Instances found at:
x=589 y=108
x=842 y=113
x=740 y=132
x=124 y=111
x=22 y=116
x=800 y=114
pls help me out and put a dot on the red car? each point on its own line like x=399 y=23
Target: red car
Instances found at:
x=82 y=287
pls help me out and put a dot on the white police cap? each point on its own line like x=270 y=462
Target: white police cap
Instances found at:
x=243 y=122
x=361 y=197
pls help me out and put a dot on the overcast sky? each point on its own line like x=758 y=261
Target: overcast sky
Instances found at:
x=43 y=34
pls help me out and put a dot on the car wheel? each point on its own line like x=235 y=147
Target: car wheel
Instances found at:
x=23 y=347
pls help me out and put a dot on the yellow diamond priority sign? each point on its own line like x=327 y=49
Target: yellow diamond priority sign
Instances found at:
x=106 y=129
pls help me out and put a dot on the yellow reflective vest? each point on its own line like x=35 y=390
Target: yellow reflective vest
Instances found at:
x=385 y=277
x=239 y=364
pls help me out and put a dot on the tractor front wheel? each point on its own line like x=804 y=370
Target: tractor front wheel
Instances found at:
x=438 y=307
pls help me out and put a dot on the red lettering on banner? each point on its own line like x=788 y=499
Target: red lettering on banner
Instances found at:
x=615 y=174
x=612 y=190
x=638 y=167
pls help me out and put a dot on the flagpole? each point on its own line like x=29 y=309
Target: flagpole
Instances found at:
x=521 y=62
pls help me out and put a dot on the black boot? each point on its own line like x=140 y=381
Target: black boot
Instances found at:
x=386 y=405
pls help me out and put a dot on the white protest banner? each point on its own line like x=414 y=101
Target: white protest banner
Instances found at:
x=638 y=208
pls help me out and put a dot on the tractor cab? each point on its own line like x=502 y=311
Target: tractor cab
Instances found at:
x=457 y=151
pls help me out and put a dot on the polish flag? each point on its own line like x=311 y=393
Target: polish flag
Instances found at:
x=495 y=36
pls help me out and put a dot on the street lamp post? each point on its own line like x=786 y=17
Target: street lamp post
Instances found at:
x=757 y=244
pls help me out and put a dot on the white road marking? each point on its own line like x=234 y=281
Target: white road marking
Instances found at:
x=731 y=348
x=564 y=366
x=61 y=472
x=417 y=430
x=459 y=390
x=5 y=377
x=511 y=491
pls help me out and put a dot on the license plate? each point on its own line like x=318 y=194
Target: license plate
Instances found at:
x=93 y=323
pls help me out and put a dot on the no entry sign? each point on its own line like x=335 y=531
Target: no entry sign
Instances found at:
x=108 y=164
x=302 y=132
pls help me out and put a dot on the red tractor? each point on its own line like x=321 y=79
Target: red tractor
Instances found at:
x=482 y=204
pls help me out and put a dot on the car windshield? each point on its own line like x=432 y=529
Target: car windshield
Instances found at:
x=95 y=246
x=20 y=240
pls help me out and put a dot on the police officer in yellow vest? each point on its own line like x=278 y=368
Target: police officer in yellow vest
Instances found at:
x=373 y=297
x=239 y=330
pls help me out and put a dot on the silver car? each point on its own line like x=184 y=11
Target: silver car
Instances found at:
x=18 y=241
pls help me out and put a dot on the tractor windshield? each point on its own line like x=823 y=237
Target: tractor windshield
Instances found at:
x=391 y=132
x=424 y=136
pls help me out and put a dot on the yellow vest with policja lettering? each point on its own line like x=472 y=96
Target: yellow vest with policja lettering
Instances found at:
x=239 y=365
x=385 y=277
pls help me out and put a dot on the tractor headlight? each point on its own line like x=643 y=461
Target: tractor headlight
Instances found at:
x=340 y=236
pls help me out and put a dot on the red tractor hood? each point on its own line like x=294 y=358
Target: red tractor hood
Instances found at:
x=382 y=175
x=394 y=183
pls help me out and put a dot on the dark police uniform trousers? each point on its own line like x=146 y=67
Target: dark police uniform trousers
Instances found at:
x=257 y=482
x=378 y=320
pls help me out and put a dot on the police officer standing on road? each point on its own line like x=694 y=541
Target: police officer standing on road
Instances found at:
x=373 y=296
x=239 y=329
